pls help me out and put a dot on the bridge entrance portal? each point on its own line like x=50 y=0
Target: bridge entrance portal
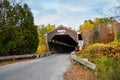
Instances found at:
x=62 y=40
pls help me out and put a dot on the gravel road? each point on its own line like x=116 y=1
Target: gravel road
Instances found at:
x=48 y=68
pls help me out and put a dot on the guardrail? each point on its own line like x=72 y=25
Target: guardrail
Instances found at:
x=83 y=61
x=24 y=56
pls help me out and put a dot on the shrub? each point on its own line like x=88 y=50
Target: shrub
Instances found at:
x=107 y=59
x=108 y=68
x=97 y=50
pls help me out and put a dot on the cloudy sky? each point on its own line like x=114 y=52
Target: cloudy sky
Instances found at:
x=71 y=13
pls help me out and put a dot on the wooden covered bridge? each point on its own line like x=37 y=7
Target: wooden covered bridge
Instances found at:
x=63 y=39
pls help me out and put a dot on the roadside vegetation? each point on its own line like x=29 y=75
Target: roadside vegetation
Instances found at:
x=107 y=59
x=101 y=46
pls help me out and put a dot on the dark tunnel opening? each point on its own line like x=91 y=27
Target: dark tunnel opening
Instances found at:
x=62 y=44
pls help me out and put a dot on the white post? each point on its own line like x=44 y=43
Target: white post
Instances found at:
x=80 y=44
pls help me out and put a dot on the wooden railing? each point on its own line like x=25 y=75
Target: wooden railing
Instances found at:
x=83 y=61
x=25 y=56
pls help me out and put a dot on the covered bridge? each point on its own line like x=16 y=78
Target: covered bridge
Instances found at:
x=63 y=39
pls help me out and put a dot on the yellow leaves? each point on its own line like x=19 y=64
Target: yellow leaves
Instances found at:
x=42 y=48
x=86 y=26
x=42 y=31
x=39 y=49
x=96 y=21
x=50 y=27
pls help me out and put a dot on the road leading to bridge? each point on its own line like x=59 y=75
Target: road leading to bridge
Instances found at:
x=48 y=68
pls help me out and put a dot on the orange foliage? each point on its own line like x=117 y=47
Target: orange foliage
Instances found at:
x=98 y=31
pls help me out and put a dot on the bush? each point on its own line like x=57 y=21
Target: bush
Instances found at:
x=108 y=68
x=107 y=59
x=97 y=50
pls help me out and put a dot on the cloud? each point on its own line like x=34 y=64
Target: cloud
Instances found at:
x=46 y=19
x=67 y=12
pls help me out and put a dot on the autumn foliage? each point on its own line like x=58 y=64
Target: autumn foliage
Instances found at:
x=42 y=32
x=106 y=57
x=101 y=30
x=117 y=31
x=102 y=46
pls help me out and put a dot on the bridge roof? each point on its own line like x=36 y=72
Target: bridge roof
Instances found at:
x=62 y=30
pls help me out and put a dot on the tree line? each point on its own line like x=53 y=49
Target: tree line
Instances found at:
x=100 y=30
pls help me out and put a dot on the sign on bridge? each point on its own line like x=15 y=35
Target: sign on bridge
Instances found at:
x=61 y=31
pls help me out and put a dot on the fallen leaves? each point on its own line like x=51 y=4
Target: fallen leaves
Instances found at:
x=77 y=72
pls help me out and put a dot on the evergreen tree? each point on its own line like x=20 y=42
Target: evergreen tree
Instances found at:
x=18 y=35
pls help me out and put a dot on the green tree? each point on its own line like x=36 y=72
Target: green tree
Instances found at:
x=18 y=35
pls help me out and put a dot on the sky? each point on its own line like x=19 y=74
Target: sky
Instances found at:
x=70 y=13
